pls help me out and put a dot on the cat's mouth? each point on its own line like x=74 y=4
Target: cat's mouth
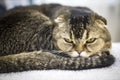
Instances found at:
x=77 y=54
x=74 y=54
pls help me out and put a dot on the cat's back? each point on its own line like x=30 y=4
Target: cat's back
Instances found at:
x=17 y=28
x=44 y=8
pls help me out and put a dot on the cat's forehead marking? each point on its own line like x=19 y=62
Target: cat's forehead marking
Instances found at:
x=78 y=20
x=78 y=25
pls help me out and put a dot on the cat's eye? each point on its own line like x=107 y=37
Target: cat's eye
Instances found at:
x=91 y=40
x=68 y=40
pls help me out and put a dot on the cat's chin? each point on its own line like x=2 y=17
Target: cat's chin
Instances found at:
x=74 y=54
x=84 y=54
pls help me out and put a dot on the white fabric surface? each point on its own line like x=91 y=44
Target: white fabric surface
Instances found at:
x=108 y=73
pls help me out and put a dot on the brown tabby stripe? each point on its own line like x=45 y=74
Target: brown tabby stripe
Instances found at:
x=25 y=33
x=78 y=25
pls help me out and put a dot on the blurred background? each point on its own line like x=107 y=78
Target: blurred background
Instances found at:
x=110 y=9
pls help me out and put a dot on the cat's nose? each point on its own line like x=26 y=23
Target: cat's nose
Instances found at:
x=79 y=48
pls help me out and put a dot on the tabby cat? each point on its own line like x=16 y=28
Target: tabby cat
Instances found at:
x=50 y=36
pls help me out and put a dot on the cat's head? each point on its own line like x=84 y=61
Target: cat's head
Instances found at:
x=83 y=35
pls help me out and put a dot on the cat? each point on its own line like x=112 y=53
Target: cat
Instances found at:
x=53 y=36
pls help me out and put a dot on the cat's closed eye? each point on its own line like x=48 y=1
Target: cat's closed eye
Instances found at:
x=91 y=40
x=68 y=40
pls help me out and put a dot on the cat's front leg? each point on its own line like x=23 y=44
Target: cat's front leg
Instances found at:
x=59 y=52
x=65 y=54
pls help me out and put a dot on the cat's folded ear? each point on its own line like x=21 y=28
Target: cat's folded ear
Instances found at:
x=60 y=19
x=101 y=18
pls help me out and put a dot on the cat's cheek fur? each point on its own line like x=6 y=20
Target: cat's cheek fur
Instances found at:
x=96 y=46
x=62 y=45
